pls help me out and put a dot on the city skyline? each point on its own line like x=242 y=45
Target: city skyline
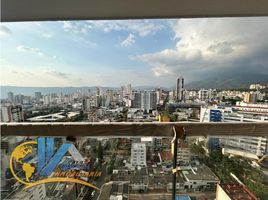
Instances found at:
x=91 y=53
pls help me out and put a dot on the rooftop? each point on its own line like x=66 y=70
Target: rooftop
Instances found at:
x=200 y=173
x=236 y=191
x=118 y=190
x=183 y=197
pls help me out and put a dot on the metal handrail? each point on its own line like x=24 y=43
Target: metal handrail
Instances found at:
x=134 y=129
x=177 y=130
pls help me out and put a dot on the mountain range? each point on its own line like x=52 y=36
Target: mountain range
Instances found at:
x=229 y=82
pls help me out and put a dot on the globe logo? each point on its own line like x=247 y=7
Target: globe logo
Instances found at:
x=18 y=157
x=48 y=161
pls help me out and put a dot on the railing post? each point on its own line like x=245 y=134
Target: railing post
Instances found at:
x=179 y=133
x=174 y=170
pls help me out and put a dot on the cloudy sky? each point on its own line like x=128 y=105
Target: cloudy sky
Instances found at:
x=141 y=52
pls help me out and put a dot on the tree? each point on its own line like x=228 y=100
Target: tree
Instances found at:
x=173 y=118
x=223 y=166
x=197 y=149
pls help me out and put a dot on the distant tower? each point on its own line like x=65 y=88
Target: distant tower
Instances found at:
x=129 y=90
x=97 y=91
x=180 y=89
x=10 y=97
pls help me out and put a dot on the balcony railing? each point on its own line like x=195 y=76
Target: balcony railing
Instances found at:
x=177 y=130
x=133 y=129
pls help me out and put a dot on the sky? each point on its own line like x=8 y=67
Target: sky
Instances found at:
x=140 y=52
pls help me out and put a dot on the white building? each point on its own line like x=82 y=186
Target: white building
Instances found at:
x=114 y=191
x=212 y=93
x=256 y=87
x=199 y=178
x=138 y=154
x=254 y=145
x=158 y=95
x=183 y=153
x=12 y=113
x=190 y=94
x=172 y=95
x=148 y=100
x=203 y=94
x=47 y=99
x=259 y=109
x=211 y=114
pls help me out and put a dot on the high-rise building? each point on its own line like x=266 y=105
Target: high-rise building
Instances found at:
x=158 y=95
x=97 y=101
x=137 y=100
x=129 y=90
x=98 y=91
x=18 y=99
x=10 y=97
x=47 y=99
x=145 y=100
x=172 y=95
x=87 y=103
x=138 y=154
x=123 y=92
x=250 y=97
x=180 y=89
x=12 y=113
x=38 y=96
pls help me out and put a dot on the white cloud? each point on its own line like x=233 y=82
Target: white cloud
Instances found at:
x=58 y=74
x=22 y=48
x=128 y=41
x=67 y=25
x=141 y=27
x=26 y=49
x=204 y=46
x=76 y=27
x=4 y=31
